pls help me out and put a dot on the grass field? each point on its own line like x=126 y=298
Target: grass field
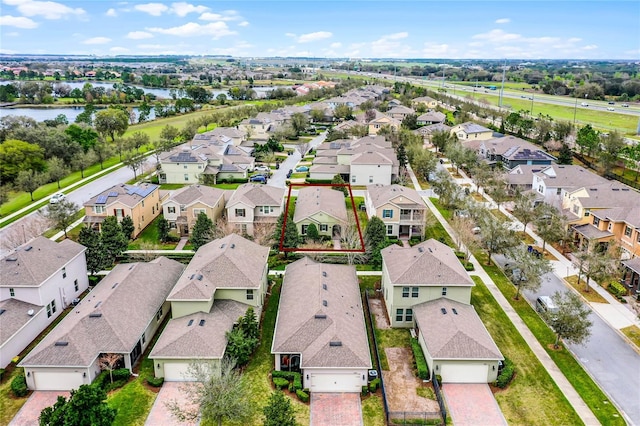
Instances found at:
x=591 y=296
x=633 y=333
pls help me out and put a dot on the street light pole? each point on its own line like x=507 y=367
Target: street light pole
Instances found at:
x=532 y=96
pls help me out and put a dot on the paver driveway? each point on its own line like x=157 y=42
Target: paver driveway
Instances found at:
x=38 y=401
x=159 y=414
x=472 y=404
x=336 y=409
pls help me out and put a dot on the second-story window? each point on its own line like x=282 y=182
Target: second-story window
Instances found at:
x=240 y=213
x=627 y=231
x=387 y=214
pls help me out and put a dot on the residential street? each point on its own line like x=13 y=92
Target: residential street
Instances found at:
x=279 y=176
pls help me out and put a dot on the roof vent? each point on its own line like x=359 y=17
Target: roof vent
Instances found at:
x=324 y=303
x=335 y=343
x=199 y=277
x=11 y=259
x=222 y=246
x=454 y=311
x=30 y=312
x=320 y=316
x=28 y=248
x=444 y=311
x=131 y=267
x=97 y=304
x=2 y=311
x=201 y=323
x=324 y=273
x=420 y=249
x=430 y=251
x=61 y=343
x=324 y=286
x=192 y=276
x=95 y=315
x=190 y=323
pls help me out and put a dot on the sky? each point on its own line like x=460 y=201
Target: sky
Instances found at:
x=543 y=29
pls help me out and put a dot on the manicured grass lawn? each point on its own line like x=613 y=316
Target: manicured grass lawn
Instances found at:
x=171 y=186
x=532 y=398
x=591 y=296
x=9 y=405
x=133 y=401
x=153 y=128
x=367 y=282
x=150 y=237
x=525 y=238
x=391 y=338
x=362 y=215
x=299 y=175
x=227 y=185
x=633 y=333
x=372 y=410
x=499 y=215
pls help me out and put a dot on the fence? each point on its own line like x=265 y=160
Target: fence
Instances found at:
x=608 y=175
x=439 y=397
x=375 y=351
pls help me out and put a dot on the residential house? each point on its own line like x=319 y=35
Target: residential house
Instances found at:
x=182 y=207
x=509 y=152
x=631 y=276
x=326 y=172
x=431 y=117
x=555 y=181
x=421 y=273
x=324 y=338
x=254 y=205
x=471 y=131
x=119 y=316
x=400 y=112
x=142 y=203
x=426 y=101
x=324 y=207
x=402 y=209
x=427 y=131
x=621 y=224
x=224 y=278
x=236 y=135
x=258 y=128
x=381 y=121
x=38 y=280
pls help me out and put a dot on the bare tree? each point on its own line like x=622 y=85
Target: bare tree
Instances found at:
x=466 y=240
x=303 y=148
x=24 y=230
x=263 y=233
x=350 y=240
x=224 y=228
x=147 y=252
x=109 y=362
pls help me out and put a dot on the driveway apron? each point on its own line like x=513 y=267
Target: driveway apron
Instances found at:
x=38 y=401
x=159 y=414
x=472 y=404
x=336 y=409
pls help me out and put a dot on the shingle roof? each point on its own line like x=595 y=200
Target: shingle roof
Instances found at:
x=427 y=130
x=14 y=316
x=229 y=262
x=336 y=169
x=633 y=264
x=112 y=317
x=309 y=327
x=253 y=194
x=401 y=109
x=428 y=263
x=26 y=266
x=470 y=127
x=433 y=116
x=316 y=199
x=129 y=195
x=610 y=194
x=198 y=193
x=457 y=334
x=371 y=157
x=189 y=337
x=568 y=176
x=591 y=232
x=395 y=194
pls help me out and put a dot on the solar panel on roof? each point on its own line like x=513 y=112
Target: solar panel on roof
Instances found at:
x=113 y=194
x=102 y=199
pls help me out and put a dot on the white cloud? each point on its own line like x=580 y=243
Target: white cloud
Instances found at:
x=153 y=9
x=574 y=40
x=503 y=21
x=290 y=35
x=7 y=52
x=111 y=13
x=319 y=35
x=391 y=46
x=151 y=46
x=97 y=40
x=396 y=36
x=13 y=34
x=336 y=45
x=119 y=49
x=590 y=47
x=192 y=29
x=243 y=24
x=226 y=15
x=435 y=50
x=17 y=21
x=46 y=9
x=182 y=9
x=139 y=35
x=496 y=36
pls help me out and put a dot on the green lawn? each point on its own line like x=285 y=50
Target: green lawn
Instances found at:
x=149 y=238
x=9 y=405
x=153 y=128
x=133 y=401
x=373 y=410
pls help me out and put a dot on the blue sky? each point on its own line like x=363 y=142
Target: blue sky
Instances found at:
x=353 y=29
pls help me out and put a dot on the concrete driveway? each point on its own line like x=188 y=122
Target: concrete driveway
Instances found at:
x=336 y=409
x=472 y=404
x=159 y=414
x=38 y=401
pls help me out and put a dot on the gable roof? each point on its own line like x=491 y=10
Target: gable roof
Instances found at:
x=229 y=262
x=371 y=157
x=428 y=263
x=608 y=195
x=310 y=327
x=427 y=130
x=15 y=314
x=198 y=193
x=34 y=262
x=401 y=109
x=453 y=330
x=112 y=317
x=253 y=194
x=129 y=195
x=470 y=127
x=394 y=194
x=315 y=199
x=433 y=116
x=568 y=176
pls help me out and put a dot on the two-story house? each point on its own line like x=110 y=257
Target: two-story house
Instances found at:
x=402 y=209
x=224 y=278
x=322 y=206
x=119 y=316
x=142 y=203
x=509 y=152
x=427 y=131
x=431 y=117
x=426 y=101
x=182 y=207
x=382 y=120
x=38 y=280
x=555 y=181
x=254 y=205
x=471 y=131
x=400 y=112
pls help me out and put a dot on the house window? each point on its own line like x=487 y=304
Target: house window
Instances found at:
x=415 y=291
x=324 y=227
x=558 y=191
x=185 y=166
x=143 y=218
x=596 y=221
x=249 y=294
x=389 y=229
x=183 y=208
x=48 y=311
x=399 y=315
x=587 y=212
x=53 y=306
x=196 y=212
x=405 y=291
x=153 y=210
x=444 y=291
x=119 y=213
x=387 y=214
x=159 y=314
x=98 y=209
x=240 y=213
x=627 y=231
x=12 y=292
x=243 y=228
x=370 y=179
x=609 y=227
x=304 y=229
x=64 y=272
x=144 y=338
x=186 y=176
x=75 y=285
x=142 y=203
x=408 y=315
x=353 y=178
x=171 y=209
x=575 y=209
x=639 y=236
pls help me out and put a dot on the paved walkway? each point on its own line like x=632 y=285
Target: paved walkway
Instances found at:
x=38 y=401
x=472 y=404
x=570 y=393
x=182 y=243
x=159 y=414
x=336 y=409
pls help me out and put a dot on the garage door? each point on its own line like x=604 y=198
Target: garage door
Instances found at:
x=464 y=373
x=176 y=372
x=335 y=382
x=45 y=380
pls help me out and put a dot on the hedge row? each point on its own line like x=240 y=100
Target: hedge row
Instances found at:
x=374 y=385
x=421 y=362
x=302 y=395
x=506 y=374
x=290 y=376
x=617 y=289
x=19 y=386
x=156 y=382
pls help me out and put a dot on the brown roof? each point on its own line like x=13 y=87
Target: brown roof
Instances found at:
x=610 y=194
x=112 y=317
x=331 y=312
x=316 y=199
x=453 y=330
x=434 y=116
x=200 y=335
x=428 y=263
x=395 y=194
x=370 y=157
x=34 y=262
x=229 y=262
x=199 y=193
x=254 y=194
x=129 y=195
x=629 y=215
x=568 y=176
x=329 y=168
x=14 y=316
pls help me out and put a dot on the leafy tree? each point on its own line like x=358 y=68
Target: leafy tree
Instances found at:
x=214 y=397
x=222 y=98
x=61 y=214
x=87 y=406
x=424 y=163
x=450 y=194
x=83 y=160
x=401 y=153
x=571 y=320
x=279 y=411
x=587 y=139
x=202 y=231
x=111 y=122
x=127 y=226
x=29 y=181
x=102 y=151
x=299 y=123
x=134 y=161
x=317 y=115
x=56 y=169
x=343 y=112
x=375 y=233
x=113 y=240
x=86 y=116
x=163 y=229
x=291 y=236
x=529 y=270
x=137 y=140
x=249 y=324
x=337 y=180
x=612 y=145
x=495 y=236
x=312 y=232
x=481 y=174
x=16 y=156
x=83 y=135
x=460 y=155
x=562 y=129
x=95 y=255
x=239 y=346
x=565 y=155
x=410 y=122
x=525 y=209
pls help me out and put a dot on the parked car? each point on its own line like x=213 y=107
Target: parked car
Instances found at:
x=302 y=169
x=261 y=168
x=625 y=105
x=258 y=178
x=289 y=173
x=56 y=198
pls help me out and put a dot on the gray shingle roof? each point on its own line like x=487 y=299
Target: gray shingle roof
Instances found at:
x=371 y=157
x=610 y=194
x=329 y=168
x=31 y=267
x=458 y=334
x=14 y=316
x=316 y=199
x=568 y=176
x=300 y=327
x=428 y=263
x=127 y=300
x=254 y=194
x=229 y=262
x=198 y=193
x=470 y=127
x=427 y=130
x=433 y=116
x=396 y=194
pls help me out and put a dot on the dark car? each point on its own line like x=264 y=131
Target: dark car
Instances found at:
x=258 y=178
x=289 y=173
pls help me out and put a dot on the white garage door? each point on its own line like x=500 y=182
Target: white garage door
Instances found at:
x=464 y=373
x=45 y=380
x=176 y=372
x=335 y=382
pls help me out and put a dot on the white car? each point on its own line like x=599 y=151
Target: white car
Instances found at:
x=56 y=198
x=611 y=109
x=261 y=168
x=584 y=104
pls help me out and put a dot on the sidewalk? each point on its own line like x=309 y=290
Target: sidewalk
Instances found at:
x=570 y=393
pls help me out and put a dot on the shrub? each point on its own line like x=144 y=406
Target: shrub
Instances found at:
x=617 y=289
x=296 y=378
x=439 y=379
x=19 y=386
x=469 y=266
x=506 y=374
x=365 y=390
x=1 y=373
x=302 y=395
x=280 y=382
x=121 y=374
x=460 y=254
x=117 y=384
x=102 y=380
x=374 y=385
x=421 y=362
x=156 y=382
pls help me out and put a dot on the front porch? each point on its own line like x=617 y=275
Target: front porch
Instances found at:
x=288 y=362
x=585 y=234
x=631 y=276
